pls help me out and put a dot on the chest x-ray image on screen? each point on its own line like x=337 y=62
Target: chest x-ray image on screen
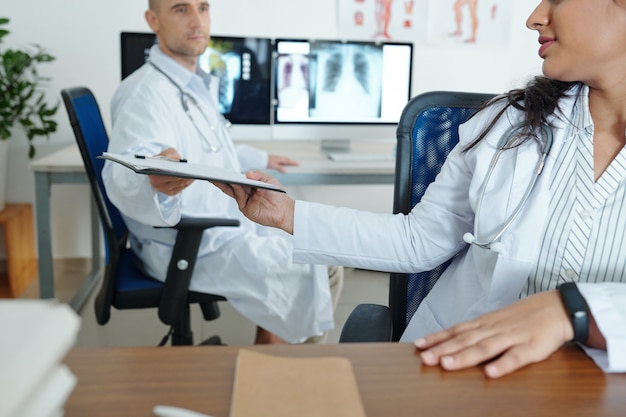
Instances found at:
x=341 y=82
x=346 y=81
x=293 y=82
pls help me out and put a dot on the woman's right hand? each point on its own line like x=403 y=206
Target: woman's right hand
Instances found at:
x=266 y=207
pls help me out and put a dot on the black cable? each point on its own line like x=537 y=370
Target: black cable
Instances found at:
x=166 y=337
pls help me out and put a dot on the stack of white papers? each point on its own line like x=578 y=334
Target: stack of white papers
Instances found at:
x=36 y=336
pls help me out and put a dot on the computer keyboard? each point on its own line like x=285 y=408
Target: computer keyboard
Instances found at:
x=359 y=157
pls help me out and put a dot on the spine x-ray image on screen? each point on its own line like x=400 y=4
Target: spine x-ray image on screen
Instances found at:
x=243 y=67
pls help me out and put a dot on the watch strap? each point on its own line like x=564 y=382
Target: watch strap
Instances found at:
x=577 y=310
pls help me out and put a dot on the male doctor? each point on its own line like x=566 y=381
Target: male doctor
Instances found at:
x=167 y=108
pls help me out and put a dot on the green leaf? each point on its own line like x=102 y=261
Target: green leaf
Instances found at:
x=4 y=132
x=22 y=101
x=46 y=58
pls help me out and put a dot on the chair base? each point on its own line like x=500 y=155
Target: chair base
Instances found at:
x=214 y=340
x=185 y=338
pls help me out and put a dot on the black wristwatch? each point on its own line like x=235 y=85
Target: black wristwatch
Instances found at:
x=577 y=310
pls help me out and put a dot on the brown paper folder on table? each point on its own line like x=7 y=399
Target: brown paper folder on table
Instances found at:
x=274 y=386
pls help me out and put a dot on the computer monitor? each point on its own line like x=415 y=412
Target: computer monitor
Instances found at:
x=243 y=66
x=333 y=89
x=135 y=47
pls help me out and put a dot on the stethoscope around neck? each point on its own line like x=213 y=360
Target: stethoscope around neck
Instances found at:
x=185 y=98
x=509 y=140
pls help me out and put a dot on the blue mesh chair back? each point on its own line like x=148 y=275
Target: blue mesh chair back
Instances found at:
x=426 y=133
x=95 y=141
x=124 y=285
x=92 y=140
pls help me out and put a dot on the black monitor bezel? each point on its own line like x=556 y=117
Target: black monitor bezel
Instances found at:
x=147 y=39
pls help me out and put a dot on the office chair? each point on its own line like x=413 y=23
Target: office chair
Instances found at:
x=124 y=285
x=426 y=133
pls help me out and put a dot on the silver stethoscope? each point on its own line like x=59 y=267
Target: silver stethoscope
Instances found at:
x=185 y=98
x=509 y=140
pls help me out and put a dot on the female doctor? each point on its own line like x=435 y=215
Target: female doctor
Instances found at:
x=538 y=259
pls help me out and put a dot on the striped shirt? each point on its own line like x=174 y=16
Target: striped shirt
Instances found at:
x=584 y=238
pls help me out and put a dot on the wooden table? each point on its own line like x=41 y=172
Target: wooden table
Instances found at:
x=131 y=381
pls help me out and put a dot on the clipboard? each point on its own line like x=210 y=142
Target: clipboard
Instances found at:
x=183 y=169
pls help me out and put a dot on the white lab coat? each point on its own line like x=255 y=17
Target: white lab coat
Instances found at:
x=250 y=265
x=478 y=280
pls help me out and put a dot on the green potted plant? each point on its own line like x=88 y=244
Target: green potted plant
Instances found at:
x=22 y=103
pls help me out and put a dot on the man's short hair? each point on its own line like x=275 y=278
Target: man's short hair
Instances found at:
x=153 y=5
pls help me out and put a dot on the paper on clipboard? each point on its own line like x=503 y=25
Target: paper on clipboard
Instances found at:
x=157 y=166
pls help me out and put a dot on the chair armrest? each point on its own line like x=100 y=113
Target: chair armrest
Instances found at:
x=367 y=323
x=182 y=263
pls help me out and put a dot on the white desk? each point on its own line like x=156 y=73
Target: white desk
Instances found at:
x=317 y=169
x=61 y=167
x=66 y=167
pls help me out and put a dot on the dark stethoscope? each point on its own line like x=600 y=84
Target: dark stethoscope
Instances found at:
x=186 y=98
x=509 y=140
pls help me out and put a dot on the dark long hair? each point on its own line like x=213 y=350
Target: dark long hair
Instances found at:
x=537 y=101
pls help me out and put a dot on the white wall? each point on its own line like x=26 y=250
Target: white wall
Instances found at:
x=84 y=36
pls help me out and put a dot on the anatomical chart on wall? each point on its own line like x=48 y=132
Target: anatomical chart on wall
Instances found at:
x=381 y=20
x=484 y=24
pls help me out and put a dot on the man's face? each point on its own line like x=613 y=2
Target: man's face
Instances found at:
x=182 y=28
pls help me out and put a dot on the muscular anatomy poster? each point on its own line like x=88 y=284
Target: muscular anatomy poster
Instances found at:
x=469 y=23
x=445 y=23
x=383 y=20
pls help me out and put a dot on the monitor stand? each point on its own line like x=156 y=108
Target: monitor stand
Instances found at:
x=335 y=145
x=341 y=150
